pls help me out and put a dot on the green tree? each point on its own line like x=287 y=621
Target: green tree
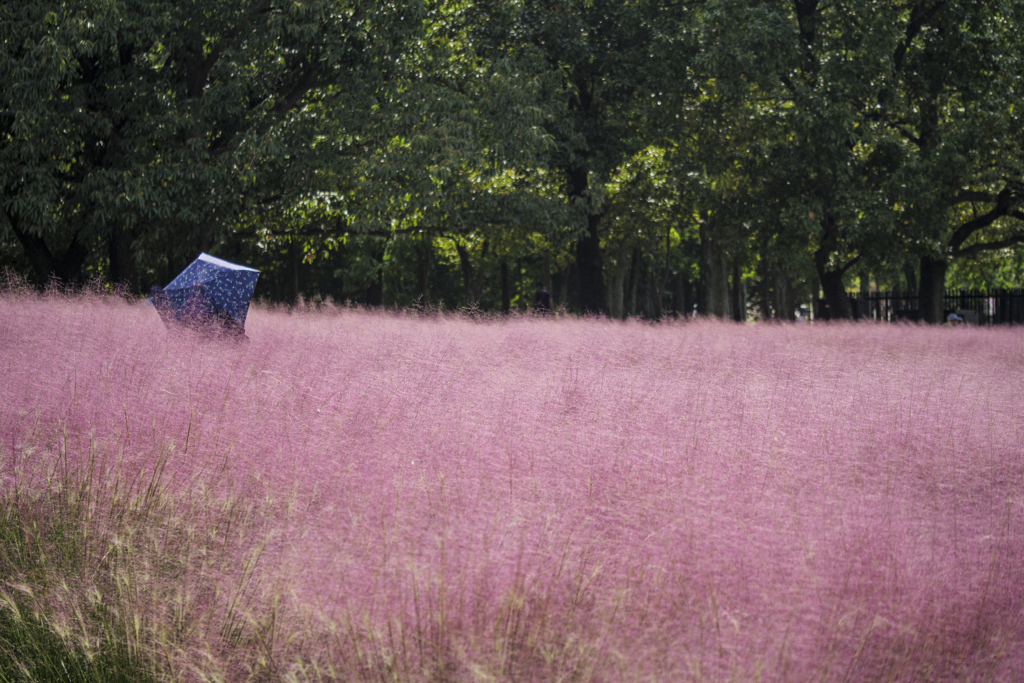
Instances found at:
x=957 y=111
x=596 y=60
x=452 y=158
x=152 y=127
x=879 y=121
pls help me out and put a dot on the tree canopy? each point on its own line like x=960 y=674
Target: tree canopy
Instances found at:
x=645 y=157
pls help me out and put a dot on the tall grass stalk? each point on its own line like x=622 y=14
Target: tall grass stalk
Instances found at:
x=383 y=496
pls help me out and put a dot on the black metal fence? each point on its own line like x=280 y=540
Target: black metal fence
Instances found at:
x=993 y=307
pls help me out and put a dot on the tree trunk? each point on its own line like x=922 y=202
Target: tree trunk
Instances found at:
x=832 y=282
x=375 y=292
x=714 y=269
x=520 y=294
x=506 y=294
x=831 y=278
x=591 y=269
x=617 y=287
x=665 y=284
x=293 y=272
x=678 y=295
x=566 y=283
x=778 y=293
x=654 y=285
x=644 y=291
x=816 y=309
x=589 y=262
x=785 y=302
x=863 y=307
x=738 y=294
x=122 y=260
x=791 y=293
x=38 y=255
x=633 y=285
x=467 y=273
x=932 y=290
x=764 y=287
x=546 y=275
x=690 y=296
x=478 y=281
x=65 y=266
x=337 y=287
x=423 y=269
x=835 y=294
x=909 y=275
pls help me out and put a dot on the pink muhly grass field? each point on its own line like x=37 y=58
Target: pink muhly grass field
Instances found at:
x=438 y=498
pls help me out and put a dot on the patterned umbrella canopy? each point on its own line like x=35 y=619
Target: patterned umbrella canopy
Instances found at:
x=209 y=288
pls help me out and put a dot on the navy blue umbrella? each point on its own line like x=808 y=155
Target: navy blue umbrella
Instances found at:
x=210 y=289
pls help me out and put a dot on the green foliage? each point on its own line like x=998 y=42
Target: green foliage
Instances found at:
x=169 y=121
x=811 y=140
x=1003 y=269
x=856 y=128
